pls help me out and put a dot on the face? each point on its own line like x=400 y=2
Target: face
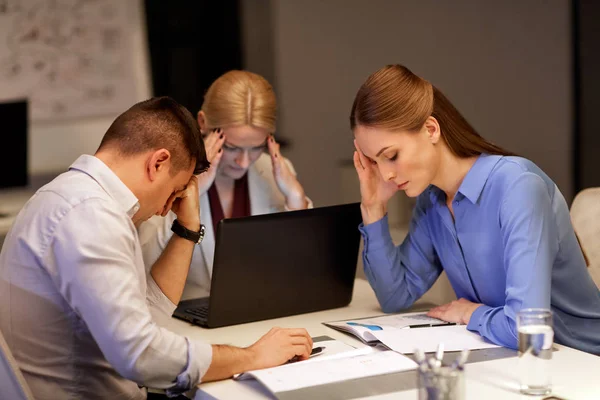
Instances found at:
x=409 y=159
x=243 y=145
x=162 y=185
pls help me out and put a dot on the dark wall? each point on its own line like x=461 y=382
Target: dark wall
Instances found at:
x=587 y=90
x=191 y=42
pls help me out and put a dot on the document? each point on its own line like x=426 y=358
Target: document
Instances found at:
x=320 y=371
x=364 y=328
x=455 y=338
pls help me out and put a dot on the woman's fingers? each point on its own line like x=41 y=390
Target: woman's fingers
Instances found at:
x=357 y=164
x=213 y=144
x=273 y=147
x=365 y=162
x=217 y=158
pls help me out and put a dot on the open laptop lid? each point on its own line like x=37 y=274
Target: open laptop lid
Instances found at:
x=282 y=264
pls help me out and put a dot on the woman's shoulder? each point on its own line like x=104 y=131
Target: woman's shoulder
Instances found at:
x=519 y=173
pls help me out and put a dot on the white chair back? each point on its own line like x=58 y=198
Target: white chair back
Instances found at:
x=585 y=215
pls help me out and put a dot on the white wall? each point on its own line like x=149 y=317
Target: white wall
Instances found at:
x=53 y=146
x=504 y=64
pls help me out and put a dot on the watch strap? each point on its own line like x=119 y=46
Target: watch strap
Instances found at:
x=188 y=234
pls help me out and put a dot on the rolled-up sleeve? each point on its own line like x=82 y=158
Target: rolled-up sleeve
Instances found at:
x=98 y=270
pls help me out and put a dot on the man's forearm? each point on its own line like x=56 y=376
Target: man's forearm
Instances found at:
x=171 y=269
x=228 y=361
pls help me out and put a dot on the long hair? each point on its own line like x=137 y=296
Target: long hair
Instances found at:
x=394 y=98
x=240 y=98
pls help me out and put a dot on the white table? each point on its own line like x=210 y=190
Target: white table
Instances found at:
x=576 y=375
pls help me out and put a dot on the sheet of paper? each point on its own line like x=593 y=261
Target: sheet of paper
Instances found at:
x=335 y=369
x=399 y=321
x=454 y=337
x=332 y=347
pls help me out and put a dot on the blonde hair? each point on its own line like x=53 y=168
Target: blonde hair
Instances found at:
x=396 y=99
x=240 y=98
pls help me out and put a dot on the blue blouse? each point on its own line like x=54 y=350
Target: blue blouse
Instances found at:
x=511 y=246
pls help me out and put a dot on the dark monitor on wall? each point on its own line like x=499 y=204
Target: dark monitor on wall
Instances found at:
x=14 y=128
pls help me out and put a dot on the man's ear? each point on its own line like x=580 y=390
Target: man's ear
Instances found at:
x=202 y=120
x=159 y=163
x=433 y=129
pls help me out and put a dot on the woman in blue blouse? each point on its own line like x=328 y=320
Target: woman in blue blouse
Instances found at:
x=496 y=223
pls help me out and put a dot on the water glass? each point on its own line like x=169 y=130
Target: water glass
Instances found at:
x=536 y=336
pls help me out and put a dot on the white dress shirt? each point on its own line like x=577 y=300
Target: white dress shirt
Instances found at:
x=77 y=308
x=265 y=198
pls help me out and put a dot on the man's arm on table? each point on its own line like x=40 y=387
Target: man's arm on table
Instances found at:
x=275 y=348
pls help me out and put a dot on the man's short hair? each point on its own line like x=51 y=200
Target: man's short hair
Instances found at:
x=158 y=123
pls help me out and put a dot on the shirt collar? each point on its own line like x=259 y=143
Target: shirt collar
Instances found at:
x=475 y=180
x=473 y=183
x=109 y=181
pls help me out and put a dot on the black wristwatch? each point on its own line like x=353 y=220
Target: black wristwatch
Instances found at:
x=185 y=233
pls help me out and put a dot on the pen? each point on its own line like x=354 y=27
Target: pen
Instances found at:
x=459 y=363
x=439 y=355
x=429 y=325
x=315 y=351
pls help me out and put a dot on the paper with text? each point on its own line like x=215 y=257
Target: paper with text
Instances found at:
x=336 y=369
x=454 y=337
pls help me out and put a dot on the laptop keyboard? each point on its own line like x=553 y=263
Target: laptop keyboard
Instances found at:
x=200 y=312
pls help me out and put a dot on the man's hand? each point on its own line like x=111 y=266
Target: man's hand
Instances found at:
x=186 y=205
x=279 y=346
x=459 y=311
x=275 y=348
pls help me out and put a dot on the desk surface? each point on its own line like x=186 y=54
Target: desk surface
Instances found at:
x=576 y=375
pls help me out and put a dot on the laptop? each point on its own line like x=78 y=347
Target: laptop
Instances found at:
x=276 y=265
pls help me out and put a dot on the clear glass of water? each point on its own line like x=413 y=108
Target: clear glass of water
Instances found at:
x=536 y=337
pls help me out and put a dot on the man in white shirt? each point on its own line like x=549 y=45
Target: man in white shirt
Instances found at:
x=77 y=308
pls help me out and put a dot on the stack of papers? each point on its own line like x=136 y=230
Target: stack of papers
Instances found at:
x=355 y=364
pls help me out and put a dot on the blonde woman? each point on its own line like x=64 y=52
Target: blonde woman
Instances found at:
x=248 y=175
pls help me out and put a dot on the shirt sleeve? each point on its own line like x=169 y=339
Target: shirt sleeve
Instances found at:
x=154 y=237
x=530 y=240
x=161 y=308
x=93 y=263
x=399 y=275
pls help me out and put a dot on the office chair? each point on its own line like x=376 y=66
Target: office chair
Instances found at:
x=12 y=382
x=585 y=216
